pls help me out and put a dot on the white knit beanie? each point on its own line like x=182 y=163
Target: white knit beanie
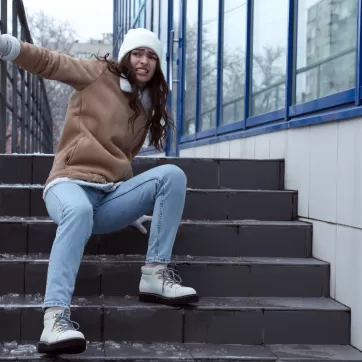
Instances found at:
x=140 y=38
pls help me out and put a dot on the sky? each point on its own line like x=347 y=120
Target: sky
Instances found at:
x=89 y=18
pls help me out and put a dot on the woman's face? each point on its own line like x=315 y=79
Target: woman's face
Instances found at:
x=143 y=62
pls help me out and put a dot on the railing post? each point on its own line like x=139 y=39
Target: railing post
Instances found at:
x=28 y=114
x=14 y=99
x=31 y=119
x=22 y=119
x=3 y=80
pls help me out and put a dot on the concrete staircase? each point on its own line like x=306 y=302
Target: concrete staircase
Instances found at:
x=263 y=296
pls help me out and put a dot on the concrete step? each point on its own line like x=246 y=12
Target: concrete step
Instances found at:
x=216 y=204
x=210 y=276
x=141 y=351
x=252 y=321
x=201 y=173
x=289 y=239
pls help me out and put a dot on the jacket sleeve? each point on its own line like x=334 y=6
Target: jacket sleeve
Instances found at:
x=78 y=73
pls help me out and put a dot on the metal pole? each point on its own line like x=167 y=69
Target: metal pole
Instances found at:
x=15 y=84
x=23 y=115
x=3 y=80
x=28 y=114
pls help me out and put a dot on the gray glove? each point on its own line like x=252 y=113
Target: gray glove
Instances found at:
x=9 y=47
x=138 y=224
x=5 y=45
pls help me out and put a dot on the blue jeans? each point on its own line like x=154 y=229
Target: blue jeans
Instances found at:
x=80 y=211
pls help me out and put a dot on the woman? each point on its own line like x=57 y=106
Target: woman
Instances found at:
x=90 y=188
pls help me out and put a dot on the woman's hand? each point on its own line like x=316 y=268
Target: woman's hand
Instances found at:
x=138 y=224
x=9 y=47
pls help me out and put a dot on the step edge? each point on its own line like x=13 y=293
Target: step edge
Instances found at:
x=197 y=222
x=178 y=260
x=132 y=303
x=20 y=186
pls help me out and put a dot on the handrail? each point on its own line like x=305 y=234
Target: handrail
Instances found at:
x=26 y=124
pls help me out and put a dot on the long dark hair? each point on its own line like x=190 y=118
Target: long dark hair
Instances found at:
x=158 y=90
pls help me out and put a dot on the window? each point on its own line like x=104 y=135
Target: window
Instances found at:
x=190 y=67
x=156 y=16
x=210 y=11
x=141 y=23
x=234 y=60
x=326 y=51
x=130 y=18
x=127 y=12
x=164 y=33
x=270 y=35
x=149 y=6
x=134 y=9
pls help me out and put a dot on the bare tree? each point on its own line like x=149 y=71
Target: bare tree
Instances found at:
x=233 y=76
x=59 y=36
x=269 y=80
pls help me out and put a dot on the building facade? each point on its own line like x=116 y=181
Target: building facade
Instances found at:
x=99 y=47
x=272 y=79
x=234 y=66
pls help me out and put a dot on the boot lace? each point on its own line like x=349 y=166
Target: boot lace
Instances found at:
x=63 y=322
x=169 y=277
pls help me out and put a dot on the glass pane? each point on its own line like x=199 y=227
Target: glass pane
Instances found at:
x=164 y=33
x=129 y=19
x=234 y=60
x=156 y=15
x=210 y=11
x=326 y=58
x=270 y=36
x=125 y=16
x=190 y=67
x=135 y=7
x=141 y=23
x=149 y=14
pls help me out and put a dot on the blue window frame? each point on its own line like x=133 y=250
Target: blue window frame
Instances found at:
x=359 y=57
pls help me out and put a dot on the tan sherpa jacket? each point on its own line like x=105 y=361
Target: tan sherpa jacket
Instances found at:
x=97 y=143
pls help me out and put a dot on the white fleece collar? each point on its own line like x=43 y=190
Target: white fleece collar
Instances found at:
x=144 y=96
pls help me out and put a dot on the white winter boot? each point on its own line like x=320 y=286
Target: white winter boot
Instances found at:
x=161 y=284
x=59 y=335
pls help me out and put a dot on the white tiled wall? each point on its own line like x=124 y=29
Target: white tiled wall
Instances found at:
x=325 y=246
x=349 y=174
x=155 y=155
x=349 y=276
x=278 y=144
x=262 y=146
x=324 y=163
x=297 y=166
x=323 y=173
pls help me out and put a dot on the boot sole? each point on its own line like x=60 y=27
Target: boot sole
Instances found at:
x=154 y=298
x=69 y=346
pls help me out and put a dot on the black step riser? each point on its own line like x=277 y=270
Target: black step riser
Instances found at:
x=201 y=173
x=199 y=205
x=210 y=280
x=252 y=327
x=192 y=239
